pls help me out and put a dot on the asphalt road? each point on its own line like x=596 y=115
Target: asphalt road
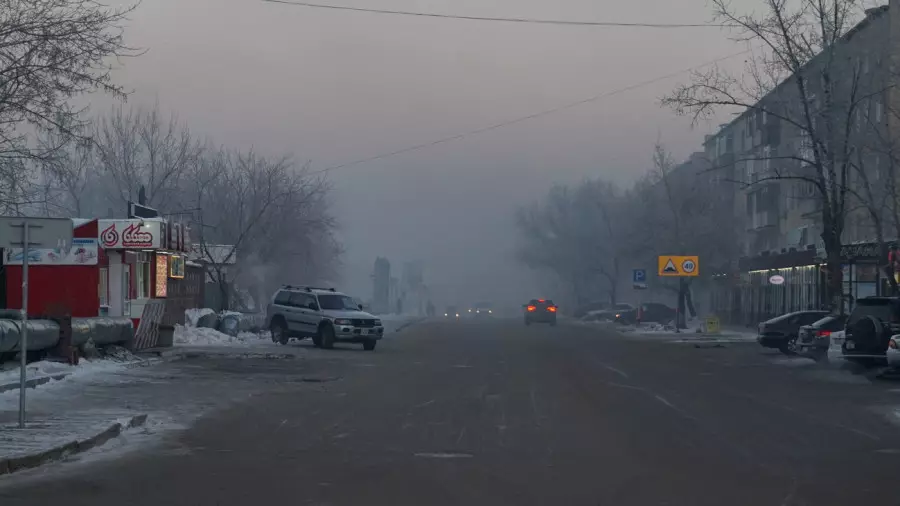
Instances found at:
x=500 y=414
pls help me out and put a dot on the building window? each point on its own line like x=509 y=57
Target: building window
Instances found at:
x=144 y=276
x=104 y=286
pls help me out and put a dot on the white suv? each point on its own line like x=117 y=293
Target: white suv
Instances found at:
x=322 y=314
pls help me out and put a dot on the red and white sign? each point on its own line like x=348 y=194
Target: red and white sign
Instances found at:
x=130 y=234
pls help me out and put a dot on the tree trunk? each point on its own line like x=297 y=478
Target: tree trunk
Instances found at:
x=689 y=299
x=681 y=322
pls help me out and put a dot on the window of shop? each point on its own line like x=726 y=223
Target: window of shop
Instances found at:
x=145 y=281
x=104 y=287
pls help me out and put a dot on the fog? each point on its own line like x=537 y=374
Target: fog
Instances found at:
x=333 y=87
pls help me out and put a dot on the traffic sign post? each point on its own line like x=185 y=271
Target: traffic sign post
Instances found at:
x=639 y=279
x=26 y=233
x=678 y=266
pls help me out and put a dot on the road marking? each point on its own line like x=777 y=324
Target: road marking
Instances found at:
x=617 y=371
x=444 y=455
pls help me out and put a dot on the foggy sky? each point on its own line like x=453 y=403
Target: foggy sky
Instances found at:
x=332 y=87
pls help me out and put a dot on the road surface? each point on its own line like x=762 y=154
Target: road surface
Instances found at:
x=499 y=414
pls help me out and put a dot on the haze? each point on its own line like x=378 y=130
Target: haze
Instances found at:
x=333 y=87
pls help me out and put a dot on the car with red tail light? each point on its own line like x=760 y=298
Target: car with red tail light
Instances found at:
x=540 y=311
x=816 y=337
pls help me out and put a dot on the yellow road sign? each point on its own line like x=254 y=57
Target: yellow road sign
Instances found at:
x=712 y=324
x=671 y=265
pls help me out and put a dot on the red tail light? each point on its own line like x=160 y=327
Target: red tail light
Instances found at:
x=823 y=333
x=552 y=309
x=531 y=308
x=541 y=300
x=892 y=344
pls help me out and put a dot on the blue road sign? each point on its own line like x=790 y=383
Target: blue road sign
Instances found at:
x=639 y=279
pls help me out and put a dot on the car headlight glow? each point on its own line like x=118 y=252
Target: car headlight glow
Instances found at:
x=445 y=314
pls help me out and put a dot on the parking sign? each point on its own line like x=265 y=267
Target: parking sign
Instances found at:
x=639 y=278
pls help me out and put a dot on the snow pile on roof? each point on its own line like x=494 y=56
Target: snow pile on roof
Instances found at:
x=193 y=315
x=210 y=337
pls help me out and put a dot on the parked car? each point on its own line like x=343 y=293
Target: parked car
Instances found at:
x=590 y=307
x=325 y=315
x=870 y=326
x=540 y=311
x=816 y=337
x=782 y=331
x=892 y=354
x=649 y=312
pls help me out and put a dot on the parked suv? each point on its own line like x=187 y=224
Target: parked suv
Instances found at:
x=869 y=329
x=322 y=314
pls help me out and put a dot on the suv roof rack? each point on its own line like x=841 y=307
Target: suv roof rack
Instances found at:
x=307 y=288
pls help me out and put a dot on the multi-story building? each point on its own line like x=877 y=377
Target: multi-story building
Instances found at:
x=776 y=200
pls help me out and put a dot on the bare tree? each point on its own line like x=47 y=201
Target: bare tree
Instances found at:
x=139 y=148
x=51 y=51
x=802 y=80
x=261 y=208
x=573 y=233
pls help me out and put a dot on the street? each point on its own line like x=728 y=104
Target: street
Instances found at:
x=498 y=413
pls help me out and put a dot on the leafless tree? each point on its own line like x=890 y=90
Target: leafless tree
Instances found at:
x=51 y=51
x=801 y=81
x=574 y=234
x=261 y=208
x=139 y=148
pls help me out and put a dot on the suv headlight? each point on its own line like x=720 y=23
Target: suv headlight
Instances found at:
x=377 y=323
x=342 y=321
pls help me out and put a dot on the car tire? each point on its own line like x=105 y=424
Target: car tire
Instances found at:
x=553 y=323
x=369 y=345
x=527 y=323
x=789 y=347
x=317 y=340
x=326 y=337
x=279 y=332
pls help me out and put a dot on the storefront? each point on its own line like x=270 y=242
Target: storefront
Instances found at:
x=141 y=256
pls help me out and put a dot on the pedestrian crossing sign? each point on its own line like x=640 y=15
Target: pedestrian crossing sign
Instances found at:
x=679 y=266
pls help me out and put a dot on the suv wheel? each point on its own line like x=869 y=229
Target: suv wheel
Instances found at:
x=279 y=332
x=369 y=345
x=317 y=340
x=326 y=337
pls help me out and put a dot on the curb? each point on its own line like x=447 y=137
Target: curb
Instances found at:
x=22 y=462
x=42 y=380
x=33 y=383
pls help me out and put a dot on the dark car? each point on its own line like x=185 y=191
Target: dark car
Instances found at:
x=817 y=335
x=451 y=313
x=590 y=307
x=648 y=312
x=540 y=311
x=781 y=332
x=869 y=329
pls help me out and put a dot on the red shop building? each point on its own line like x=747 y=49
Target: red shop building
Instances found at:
x=58 y=278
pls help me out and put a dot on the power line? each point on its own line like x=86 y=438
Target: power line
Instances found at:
x=521 y=119
x=500 y=19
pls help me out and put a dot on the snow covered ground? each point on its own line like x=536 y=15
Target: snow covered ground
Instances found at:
x=9 y=371
x=200 y=336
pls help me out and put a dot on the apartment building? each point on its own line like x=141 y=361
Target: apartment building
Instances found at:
x=778 y=212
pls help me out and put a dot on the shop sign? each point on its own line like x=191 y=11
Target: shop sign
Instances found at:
x=162 y=278
x=81 y=252
x=776 y=279
x=130 y=234
x=177 y=237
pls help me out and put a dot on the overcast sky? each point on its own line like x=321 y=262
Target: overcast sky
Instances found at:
x=333 y=87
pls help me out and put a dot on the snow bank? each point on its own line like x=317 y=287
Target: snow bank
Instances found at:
x=9 y=371
x=192 y=316
x=199 y=336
